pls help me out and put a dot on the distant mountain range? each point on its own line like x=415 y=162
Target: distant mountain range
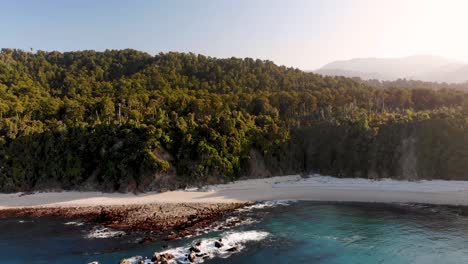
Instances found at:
x=427 y=68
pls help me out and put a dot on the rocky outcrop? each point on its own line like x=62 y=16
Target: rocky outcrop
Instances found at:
x=256 y=165
x=156 y=257
x=194 y=249
x=192 y=257
x=180 y=219
x=218 y=244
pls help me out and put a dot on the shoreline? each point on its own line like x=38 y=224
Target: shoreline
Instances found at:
x=177 y=214
x=295 y=187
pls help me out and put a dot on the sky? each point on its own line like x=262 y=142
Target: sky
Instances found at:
x=299 y=33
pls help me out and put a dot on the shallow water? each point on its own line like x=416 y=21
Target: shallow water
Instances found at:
x=301 y=232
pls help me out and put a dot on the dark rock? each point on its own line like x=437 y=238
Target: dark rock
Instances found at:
x=167 y=256
x=192 y=257
x=218 y=244
x=146 y=240
x=156 y=257
x=232 y=249
x=171 y=236
x=194 y=249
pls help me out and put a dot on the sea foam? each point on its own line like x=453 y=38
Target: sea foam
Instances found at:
x=74 y=223
x=232 y=242
x=207 y=246
x=104 y=232
x=266 y=204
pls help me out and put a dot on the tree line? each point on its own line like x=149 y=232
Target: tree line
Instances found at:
x=124 y=120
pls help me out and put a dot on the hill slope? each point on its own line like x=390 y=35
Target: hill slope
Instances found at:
x=123 y=120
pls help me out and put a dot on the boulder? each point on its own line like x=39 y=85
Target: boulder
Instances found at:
x=194 y=249
x=156 y=257
x=232 y=249
x=192 y=257
x=167 y=256
x=147 y=239
x=218 y=244
x=171 y=236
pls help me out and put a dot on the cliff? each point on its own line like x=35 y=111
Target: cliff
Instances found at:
x=431 y=149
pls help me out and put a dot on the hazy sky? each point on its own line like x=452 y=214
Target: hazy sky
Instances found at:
x=301 y=33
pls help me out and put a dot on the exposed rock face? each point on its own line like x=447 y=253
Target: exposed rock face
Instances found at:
x=163 y=154
x=165 y=180
x=257 y=166
x=408 y=159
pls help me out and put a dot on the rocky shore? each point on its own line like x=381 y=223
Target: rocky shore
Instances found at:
x=167 y=221
x=200 y=249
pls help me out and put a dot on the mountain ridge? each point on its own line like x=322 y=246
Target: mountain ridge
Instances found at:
x=433 y=68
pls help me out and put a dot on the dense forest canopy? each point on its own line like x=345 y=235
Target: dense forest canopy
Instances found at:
x=414 y=84
x=128 y=121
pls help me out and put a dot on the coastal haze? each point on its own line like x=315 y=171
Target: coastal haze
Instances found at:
x=429 y=68
x=266 y=131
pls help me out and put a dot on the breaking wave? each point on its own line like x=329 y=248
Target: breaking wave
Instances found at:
x=266 y=204
x=104 y=232
x=73 y=223
x=229 y=243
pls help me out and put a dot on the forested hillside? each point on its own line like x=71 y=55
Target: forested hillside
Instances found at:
x=128 y=121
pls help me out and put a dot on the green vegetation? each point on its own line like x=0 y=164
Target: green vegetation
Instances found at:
x=128 y=121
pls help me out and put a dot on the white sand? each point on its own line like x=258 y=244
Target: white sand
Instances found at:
x=314 y=188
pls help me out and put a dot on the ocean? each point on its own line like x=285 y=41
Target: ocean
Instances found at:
x=271 y=232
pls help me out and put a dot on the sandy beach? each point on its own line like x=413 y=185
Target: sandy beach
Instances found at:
x=312 y=188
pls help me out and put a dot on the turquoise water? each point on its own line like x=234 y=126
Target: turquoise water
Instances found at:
x=301 y=232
